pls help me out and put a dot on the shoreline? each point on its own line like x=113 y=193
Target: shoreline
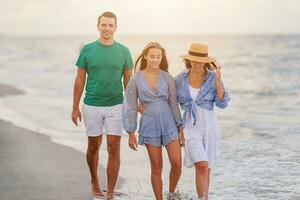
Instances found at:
x=33 y=167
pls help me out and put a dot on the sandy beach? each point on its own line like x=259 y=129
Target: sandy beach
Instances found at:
x=32 y=167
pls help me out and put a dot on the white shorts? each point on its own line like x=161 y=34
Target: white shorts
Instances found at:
x=98 y=120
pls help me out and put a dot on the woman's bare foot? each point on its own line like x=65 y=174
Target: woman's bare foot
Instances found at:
x=109 y=196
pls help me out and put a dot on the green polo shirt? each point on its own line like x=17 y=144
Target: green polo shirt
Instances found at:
x=104 y=65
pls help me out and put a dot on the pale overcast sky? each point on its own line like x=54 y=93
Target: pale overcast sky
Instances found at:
x=79 y=17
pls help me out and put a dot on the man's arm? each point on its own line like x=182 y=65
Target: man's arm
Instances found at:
x=78 y=89
x=126 y=76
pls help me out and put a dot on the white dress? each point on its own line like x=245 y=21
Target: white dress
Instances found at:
x=202 y=140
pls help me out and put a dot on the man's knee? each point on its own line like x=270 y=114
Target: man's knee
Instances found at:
x=113 y=149
x=94 y=145
x=93 y=149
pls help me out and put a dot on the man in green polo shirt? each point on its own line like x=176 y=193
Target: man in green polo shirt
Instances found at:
x=104 y=62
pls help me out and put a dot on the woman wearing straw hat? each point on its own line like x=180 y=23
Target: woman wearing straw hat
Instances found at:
x=161 y=122
x=199 y=87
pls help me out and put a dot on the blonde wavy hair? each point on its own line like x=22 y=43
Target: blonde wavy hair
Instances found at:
x=141 y=62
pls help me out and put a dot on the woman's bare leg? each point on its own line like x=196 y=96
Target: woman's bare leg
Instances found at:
x=155 y=155
x=174 y=153
x=202 y=179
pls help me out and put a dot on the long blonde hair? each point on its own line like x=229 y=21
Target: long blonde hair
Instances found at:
x=142 y=62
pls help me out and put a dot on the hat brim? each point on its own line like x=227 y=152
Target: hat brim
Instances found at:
x=198 y=59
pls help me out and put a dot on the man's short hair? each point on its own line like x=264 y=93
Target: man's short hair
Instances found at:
x=108 y=14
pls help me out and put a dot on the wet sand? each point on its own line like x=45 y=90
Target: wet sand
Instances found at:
x=33 y=167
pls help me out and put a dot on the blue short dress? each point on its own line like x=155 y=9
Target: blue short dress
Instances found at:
x=158 y=124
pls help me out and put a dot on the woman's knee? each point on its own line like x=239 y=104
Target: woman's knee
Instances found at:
x=156 y=168
x=201 y=167
x=176 y=164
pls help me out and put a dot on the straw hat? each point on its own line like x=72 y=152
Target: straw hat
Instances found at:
x=199 y=53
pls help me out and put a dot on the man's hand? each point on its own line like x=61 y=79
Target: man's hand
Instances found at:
x=75 y=115
x=78 y=89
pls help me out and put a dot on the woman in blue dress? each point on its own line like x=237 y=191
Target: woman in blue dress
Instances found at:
x=199 y=87
x=160 y=124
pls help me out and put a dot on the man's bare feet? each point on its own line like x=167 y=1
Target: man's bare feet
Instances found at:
x=96 y=188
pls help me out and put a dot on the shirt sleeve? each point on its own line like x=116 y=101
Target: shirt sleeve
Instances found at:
x=81 y=61
x=172 y=100
x=130 y=104
x=128 y=60
x=222 y=103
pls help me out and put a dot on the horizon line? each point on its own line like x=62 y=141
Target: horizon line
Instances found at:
x=147 y=35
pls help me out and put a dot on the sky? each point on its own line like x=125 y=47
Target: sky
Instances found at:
x=140 y=17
